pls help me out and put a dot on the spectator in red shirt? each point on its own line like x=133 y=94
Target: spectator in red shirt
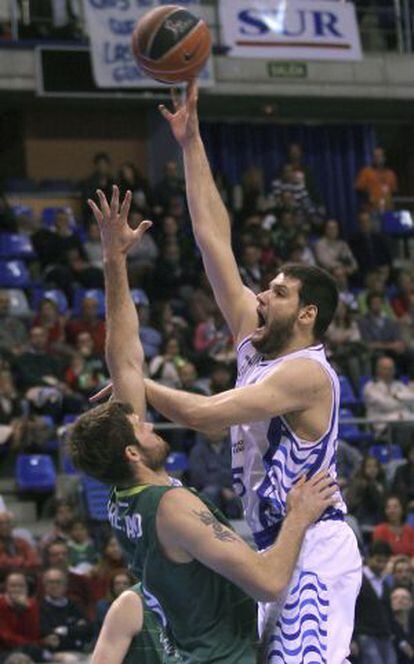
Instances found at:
x=15 y=553
x=88 y=321
x=79 y=588
x=401 y=302
x=398 y=535
x=19 y=625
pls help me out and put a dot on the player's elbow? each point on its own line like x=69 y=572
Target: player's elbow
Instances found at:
x=270 y=591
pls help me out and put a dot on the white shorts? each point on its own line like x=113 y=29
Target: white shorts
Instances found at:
x=313 y=622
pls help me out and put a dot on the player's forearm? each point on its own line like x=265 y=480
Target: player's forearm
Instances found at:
x=208 y=213
x=123 y=346
x=280 y=559
x=176 y=405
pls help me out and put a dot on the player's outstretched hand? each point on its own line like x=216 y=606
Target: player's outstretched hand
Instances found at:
x=117 y=236
x=184 y=120
x=309 y=499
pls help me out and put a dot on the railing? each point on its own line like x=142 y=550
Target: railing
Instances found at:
x=385 y=25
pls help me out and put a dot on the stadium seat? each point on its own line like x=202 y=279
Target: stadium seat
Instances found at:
x=22 y=211
x=81 y=293
x=96 y=498
x=57 y=185
x=19 y=185
x=351 y=432
x=14 y=274
x=49 y=214
x=16 y=245
x=348 y=397
x=54 y=294
x=386 y=453
x=35 y=472
x=140 y=297
x=18 y=303
x=176 y=462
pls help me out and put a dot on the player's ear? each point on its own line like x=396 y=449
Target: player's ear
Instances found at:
x=308 y=314
x=132 y=453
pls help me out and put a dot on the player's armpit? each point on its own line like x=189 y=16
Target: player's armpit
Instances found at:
x=186 y=525
x=122 y=622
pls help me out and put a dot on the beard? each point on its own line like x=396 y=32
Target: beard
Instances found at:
x=156 y=457
x=274 y=336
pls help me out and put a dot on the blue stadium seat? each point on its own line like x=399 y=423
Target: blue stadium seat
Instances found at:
x=14 y=274
x=35 y=472
x=16 y=245
x=19 y=185
x=176 y=462
x=22 y=211
x=386 y=453
x=139 y=297
x=18 y=303
x=69 y=418
x=398 y=223
x=350 y=432
x=348 y=397
x=54 y=294
x=49 y=214
x=96 y=498
x=81 y=293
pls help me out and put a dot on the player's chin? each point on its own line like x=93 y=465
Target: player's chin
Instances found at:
x=259 y=335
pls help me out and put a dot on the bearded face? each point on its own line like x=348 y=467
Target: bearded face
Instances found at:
x=272 y=335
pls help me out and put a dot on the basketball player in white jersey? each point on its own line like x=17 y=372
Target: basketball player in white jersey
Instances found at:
x=283 y=413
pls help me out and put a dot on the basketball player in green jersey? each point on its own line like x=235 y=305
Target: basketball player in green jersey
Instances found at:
x=183 y=550
x=134 y=634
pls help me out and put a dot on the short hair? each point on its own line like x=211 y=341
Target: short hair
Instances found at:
x=380 y=548
x=101 y=156
x=98 y=439
x=319 y=288
x=400 y=559
x=55 y=569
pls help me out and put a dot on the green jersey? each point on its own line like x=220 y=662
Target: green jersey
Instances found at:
x=152 y=645
x=211 y=620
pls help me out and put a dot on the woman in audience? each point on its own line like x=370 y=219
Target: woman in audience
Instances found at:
x=111 y=562
x=131 y=178
x=118 y=583
x=345 y=345
x=405 y=288
x=49 y=317
x=365 y=492
x=331 y=251
x=394 y=531
x=403 y=624
x=164 y=367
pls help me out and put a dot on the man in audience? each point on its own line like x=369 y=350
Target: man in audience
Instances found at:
x=403 y=624
x=370 y=248
x=88 y=321
x=63 y=516
x=402 y=574
x=376 y=183
x=62 y=624
x=210 y=471
x=403 y=483
x=372 y=613
x=15 y=552
x=78 y=585
x=100 y=178
x=37 y=366
x=170 y=187
x=331 y=250
x=250 y=268
x=19 y=618
x=13 y=333
x=380 y=332
x=390 y=399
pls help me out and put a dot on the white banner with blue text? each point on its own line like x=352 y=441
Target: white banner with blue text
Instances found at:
x=110 y=26
x=290 y=29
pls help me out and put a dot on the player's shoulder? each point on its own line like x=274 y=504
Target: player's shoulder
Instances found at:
x=301 y=372
x=127 y=611
x=177 y=500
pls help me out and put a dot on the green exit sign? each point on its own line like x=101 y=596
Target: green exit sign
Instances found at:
x=287 y=69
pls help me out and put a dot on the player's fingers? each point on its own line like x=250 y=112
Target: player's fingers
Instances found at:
x=96 y=211
x=105 y=209
x=176 y=99
x=125 y=207
x=102 y=394
x=192 y=92
x=319 y=477
x=301 y=481
x=115 y=200
x=324 y=483
x=142 y=228
x=165 y=112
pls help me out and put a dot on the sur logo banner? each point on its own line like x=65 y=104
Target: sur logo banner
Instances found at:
x=110 y=26
x=290 y=29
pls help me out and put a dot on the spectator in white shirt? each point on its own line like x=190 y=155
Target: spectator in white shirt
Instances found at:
x=331 y=251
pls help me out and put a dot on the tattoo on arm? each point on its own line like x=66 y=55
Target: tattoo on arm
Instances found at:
x=220 y=531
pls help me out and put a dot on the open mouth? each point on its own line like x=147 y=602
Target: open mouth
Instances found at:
x=261 y=319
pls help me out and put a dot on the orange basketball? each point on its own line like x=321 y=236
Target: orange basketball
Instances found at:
x=170 y=44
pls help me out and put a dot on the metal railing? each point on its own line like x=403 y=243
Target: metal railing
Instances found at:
x=385 y=25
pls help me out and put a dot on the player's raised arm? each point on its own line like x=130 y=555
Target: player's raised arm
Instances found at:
x=122 y=623
x=124 y=353
x=210 y=220
x=184 y=522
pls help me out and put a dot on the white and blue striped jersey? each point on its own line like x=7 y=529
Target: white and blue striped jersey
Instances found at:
x=268 y=457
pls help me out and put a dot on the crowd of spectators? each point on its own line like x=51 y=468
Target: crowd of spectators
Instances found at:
x=52 y=360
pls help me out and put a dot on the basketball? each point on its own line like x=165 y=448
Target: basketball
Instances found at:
x=170 y=44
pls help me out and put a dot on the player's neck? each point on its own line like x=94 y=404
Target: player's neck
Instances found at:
x=146 y=476
x=293 y=346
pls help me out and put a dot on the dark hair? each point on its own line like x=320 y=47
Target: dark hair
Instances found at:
x=369 y=457
x=395 y=496
x=98 y=439
x=319 y=288
x=120 y=572
x=379 y=548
